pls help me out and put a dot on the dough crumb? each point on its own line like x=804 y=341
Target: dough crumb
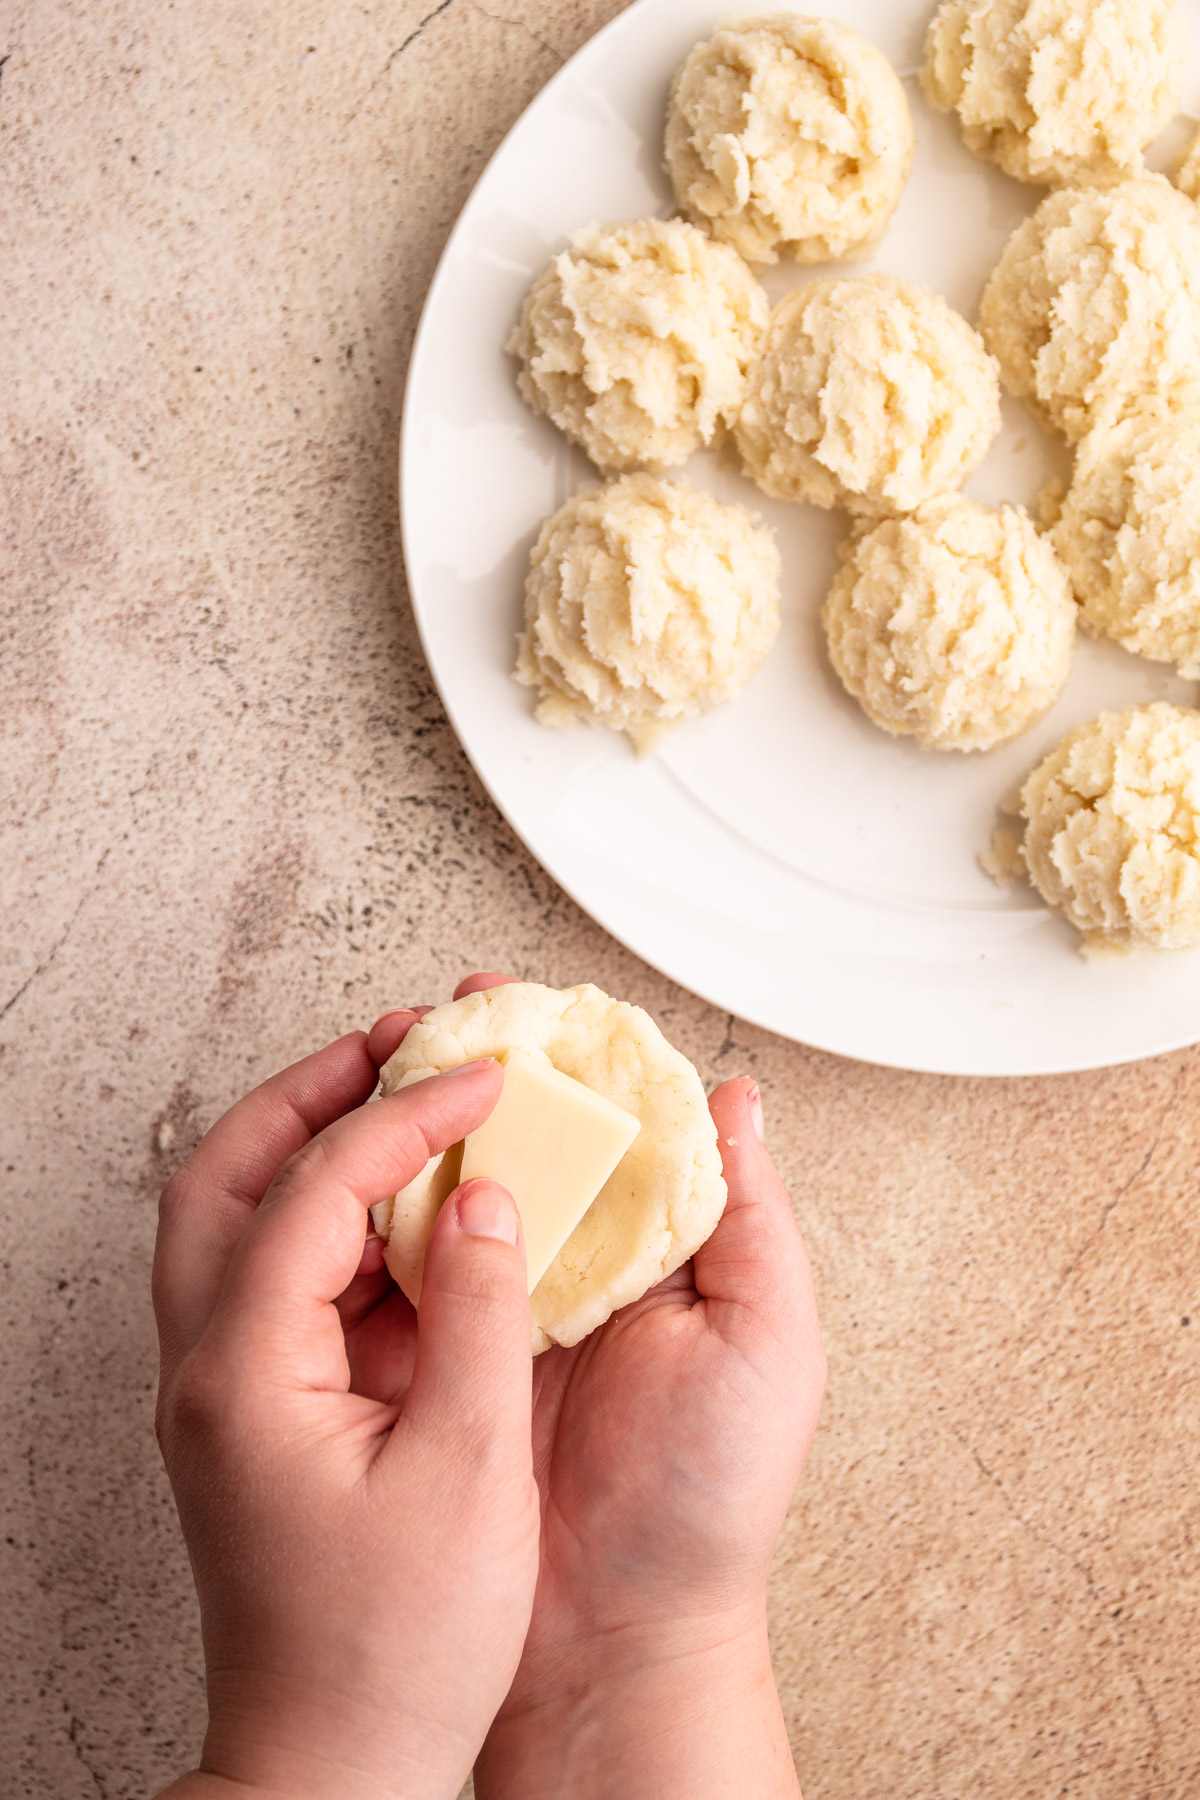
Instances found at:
x=1112 y=834
x=1096 y=301
x=867 y=393
x=955 y=626
x=1055 y=91
x=789 y=135
x=1130 y=531
x=635 y=341
x=646 y=603
x=1002 y=860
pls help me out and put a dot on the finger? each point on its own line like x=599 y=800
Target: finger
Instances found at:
x=473 y=1370
x=381 y=1349
x=390 y=1030
x=479 y=984
x=208 y=1203
x=362 y=1296
x=303 y=1246
x=754 y=1268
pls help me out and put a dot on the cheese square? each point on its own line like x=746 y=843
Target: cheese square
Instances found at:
x=553 y=1143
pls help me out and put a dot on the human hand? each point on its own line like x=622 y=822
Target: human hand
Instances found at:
x=667 y=1447
x=355 y=1486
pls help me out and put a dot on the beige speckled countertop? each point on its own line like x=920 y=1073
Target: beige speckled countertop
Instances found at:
x=235 y=823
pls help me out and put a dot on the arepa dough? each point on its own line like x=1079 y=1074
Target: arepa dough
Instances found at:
x=1187 y=175
x=660 y=1204
x=636 y=339
x=1096 y=300
x=1053 y=90
x=955 y=625
x=867 y=393
x=1112 y=829
x=646 y=603
x=788 y=135
x=1129 y=532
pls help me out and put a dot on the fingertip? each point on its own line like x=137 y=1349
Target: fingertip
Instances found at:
x=737 y=1112
x=481 y=982
x=487 y=1209
x=390 y=1030
x=371 y=1260
x=472 y=1368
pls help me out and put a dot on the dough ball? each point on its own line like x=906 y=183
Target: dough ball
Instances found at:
x=954 y=626
x=1112 y=826
x=788 y=134
x=646 y=603
x=1130 y=533
x=1187 y=175
x=1096 y=300
x=636 y=341
x=1053 y=90
x=868 y=393
x=660 y=1203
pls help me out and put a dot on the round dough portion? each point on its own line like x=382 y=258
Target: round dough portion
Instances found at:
x=868 y=393
x=1187 y=175
x=1054 y=91
x=661 y=1202
x=789 y=134
x=954 y=626
x=1112 y=834
x=635 y=341
x=1096 y=300
x=1130 y=533
x=646 y=603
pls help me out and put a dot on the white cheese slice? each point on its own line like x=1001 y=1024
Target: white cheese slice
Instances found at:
x=553 y=1143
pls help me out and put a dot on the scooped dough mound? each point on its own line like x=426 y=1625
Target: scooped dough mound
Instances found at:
x=661 y=1202
x=1187 y=176
x=954 y=626
x=1096 y=300
x=636 y=340
x=788 y=134
x=1053 y=90
x=1112 y=834
x=1130 y=533
x=646 y=603
x=867 y=393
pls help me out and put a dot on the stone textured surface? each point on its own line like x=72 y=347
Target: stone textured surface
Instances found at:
x=235 y=823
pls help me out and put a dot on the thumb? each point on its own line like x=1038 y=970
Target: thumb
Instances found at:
x=472 y=1373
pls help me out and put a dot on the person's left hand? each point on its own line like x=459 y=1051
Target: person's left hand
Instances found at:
x=354 y=1482
x=667 y=1447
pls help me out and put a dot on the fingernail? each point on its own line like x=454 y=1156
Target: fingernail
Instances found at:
x=754 y=1103
x=485 y=1209
x=470 y=1068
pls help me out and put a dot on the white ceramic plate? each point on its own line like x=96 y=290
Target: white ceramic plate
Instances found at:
x=781 y=857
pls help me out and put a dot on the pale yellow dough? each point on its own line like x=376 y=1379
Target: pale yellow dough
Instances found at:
x=1112 y=829
x=1096 y=300
x=1187 y=175
x=789 y=135
x=1130 y=533
x=955 y=625
x=635 y=341
x=660 y=1204
x=646 y=603
x=867 y=393
x=1055 y=90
